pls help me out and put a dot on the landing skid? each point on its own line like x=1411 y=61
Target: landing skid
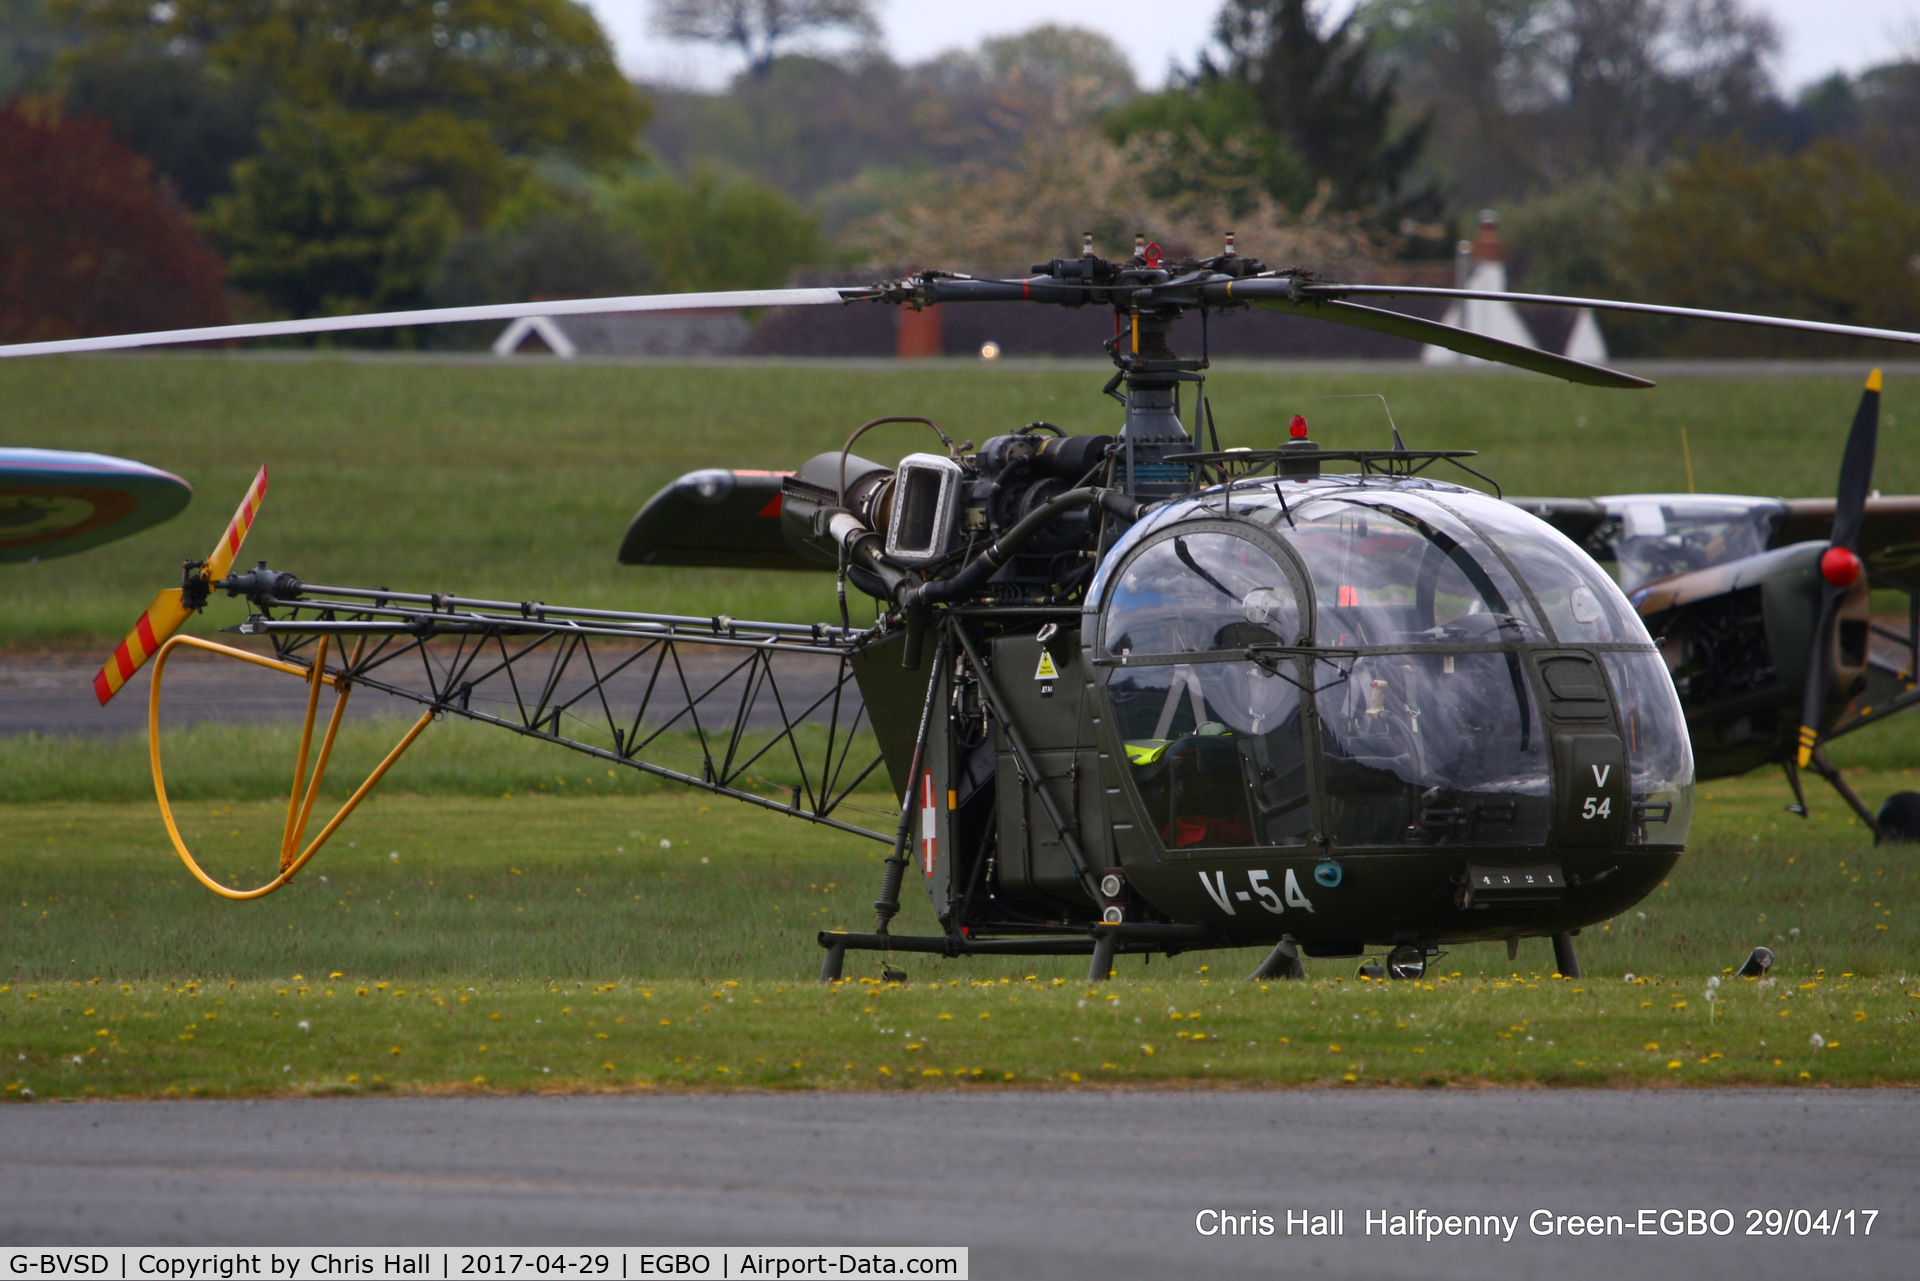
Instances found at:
x=1101 y=942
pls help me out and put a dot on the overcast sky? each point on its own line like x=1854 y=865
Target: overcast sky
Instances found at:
x=1820 y=36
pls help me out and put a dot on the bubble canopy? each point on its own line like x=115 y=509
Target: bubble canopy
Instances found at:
x=1374 y=562
x=1381 y=625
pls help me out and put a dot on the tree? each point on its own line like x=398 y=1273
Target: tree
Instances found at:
x=90 y=243
x=31 y=39
x=760 y=28
x=311 y=227
x=192 y=123
x=1525 y=94
x=1822 y=235
x=710 y=232
x=1321 y=93
x=1877 y=111
x=453 y=94
x=1029 y=204
x=558 y=252
x=1088 y=68
x=1215 y=147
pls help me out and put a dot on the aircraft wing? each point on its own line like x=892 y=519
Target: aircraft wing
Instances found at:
x=1577 y=518
x=717 y=517
x=1889 y=538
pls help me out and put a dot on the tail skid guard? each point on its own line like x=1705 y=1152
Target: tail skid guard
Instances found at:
x=306 y=789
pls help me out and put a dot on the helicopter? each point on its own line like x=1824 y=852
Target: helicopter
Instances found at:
x=1135 y=695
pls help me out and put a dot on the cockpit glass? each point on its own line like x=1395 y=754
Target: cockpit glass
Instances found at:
x=1581 y=603
x=1199 y=592
x=1657 y=748
x=1657 y=535
x=1434 y=748
x=1215 y=748
x=1391 y=571
x=1215 y=752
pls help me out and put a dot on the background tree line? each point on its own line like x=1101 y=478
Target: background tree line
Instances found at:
x=349 y=154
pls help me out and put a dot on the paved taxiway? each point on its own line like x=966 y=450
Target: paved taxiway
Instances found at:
x=1094 y=1184
x=51 y=692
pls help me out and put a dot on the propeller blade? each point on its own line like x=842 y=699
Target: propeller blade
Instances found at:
x=1440 y=335
x=444 y=316
x=170 y=609
x=1856 y=467
x=1314 y=289
x=1840 y=568
x=1813 y=698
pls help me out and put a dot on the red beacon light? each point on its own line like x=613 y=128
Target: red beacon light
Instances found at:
x=1840 y=567
x=1298 y=427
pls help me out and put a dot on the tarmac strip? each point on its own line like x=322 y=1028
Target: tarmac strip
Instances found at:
x=1116 y=1184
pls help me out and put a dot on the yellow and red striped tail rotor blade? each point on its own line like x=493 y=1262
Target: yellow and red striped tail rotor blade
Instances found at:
x=229 y=545
x=169 y=608
x=161 y=620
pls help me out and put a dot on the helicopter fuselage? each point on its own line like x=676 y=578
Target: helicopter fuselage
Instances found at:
x=1351 y=711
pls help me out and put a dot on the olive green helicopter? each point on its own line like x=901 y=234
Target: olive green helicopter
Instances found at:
x=1135 y=693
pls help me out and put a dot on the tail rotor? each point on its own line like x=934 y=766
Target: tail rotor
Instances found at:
x=175 y=605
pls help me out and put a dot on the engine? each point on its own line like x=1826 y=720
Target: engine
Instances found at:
x=1019 y=519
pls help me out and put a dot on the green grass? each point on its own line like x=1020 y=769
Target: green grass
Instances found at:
x=348 y=1032
x=565 y=910
x=509 y=889
x=254 y=762
x=516 y=481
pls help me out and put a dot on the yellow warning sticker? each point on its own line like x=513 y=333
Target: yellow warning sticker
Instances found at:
x=1046 y=671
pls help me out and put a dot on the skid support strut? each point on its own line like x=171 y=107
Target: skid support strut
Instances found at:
x=1565 y=962
x=1101 y=967
x=1281 y=963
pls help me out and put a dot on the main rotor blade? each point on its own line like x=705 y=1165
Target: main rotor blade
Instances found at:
x=1440 y=335
x=1312 y=289
x=1856 y=467
x=445 y=316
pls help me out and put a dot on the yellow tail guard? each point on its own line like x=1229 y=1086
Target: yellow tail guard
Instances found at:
x=306 y=789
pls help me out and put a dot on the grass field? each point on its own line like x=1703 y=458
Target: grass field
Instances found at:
x=506 y=916
x=243 y=762
x=674 y=940
x=516 y=480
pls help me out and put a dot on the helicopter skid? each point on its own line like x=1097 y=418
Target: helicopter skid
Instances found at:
x=1169 y=940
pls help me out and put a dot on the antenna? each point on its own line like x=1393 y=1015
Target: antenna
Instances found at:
x=1399 y=445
